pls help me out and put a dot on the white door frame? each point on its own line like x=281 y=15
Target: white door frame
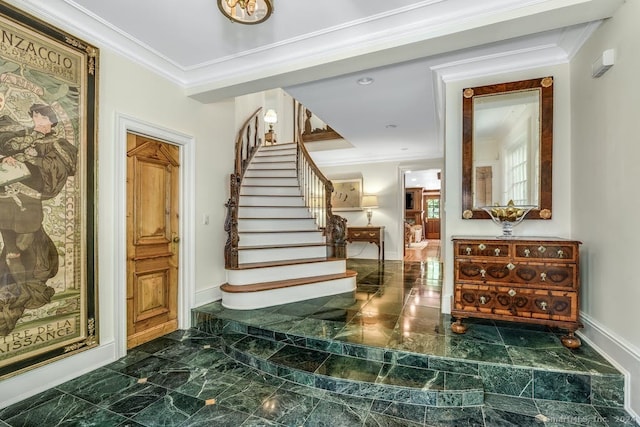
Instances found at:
x=186 y=268
x=402 y=170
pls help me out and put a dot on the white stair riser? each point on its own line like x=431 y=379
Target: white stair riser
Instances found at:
x=274 y=157
x=272 y=181
x=288 y=164
x=266 y=150
x=271 y=201
x=268 y=173
x=267 y=191
x=285 y=272
x=255 y=239
x=247 y=256
x=273 y=212
x=253 y=300
x=274 y=224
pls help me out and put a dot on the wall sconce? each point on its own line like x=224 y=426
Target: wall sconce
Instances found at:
x=270 y=117
x=369 y=202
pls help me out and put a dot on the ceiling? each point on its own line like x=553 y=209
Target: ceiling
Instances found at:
x=316 y=50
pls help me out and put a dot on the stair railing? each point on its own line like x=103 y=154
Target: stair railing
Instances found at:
x=247 y=143
x=316 y=191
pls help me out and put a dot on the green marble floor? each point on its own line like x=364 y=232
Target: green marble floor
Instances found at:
x=187 y=378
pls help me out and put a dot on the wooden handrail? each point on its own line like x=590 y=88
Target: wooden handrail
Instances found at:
x=315 y=187
x=247 y=143
x=316 y=190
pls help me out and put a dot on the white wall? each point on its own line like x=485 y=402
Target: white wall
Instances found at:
x=559 y=225
x=604 y=193
x=125 y=88
x=386 y=181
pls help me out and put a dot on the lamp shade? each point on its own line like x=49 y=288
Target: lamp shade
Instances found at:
x=271 y=116
x=369 y=201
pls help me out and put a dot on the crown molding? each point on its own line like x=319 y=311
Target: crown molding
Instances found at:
x=423 y=29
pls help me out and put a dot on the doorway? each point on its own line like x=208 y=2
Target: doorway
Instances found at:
x=432 y=214
x=153 y=186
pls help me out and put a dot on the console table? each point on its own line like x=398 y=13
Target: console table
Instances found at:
x=369 y=234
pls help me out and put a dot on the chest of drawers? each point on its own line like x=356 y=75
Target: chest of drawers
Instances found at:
x=518 y=279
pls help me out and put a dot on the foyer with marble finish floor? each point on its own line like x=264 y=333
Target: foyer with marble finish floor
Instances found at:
x=383 y=356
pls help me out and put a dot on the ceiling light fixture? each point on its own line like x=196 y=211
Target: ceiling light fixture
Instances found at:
x=363 y=81
x=246 y=11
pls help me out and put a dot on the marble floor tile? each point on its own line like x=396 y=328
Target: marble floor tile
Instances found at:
x=389 y=331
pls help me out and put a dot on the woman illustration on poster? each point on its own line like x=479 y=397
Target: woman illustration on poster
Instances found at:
x=37 y=164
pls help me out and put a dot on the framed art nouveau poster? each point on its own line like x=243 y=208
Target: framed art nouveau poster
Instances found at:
x=48 y=83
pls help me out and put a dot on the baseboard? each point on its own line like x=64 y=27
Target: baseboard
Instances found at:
x=623 y=355
x=208 y=295
x=23 y=386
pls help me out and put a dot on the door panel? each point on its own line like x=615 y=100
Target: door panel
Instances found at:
x=152 y=239
x=432 y=204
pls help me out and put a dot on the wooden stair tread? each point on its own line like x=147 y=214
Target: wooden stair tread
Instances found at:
x=282 y=246
x=281 y=231
x=273 y=219
x=271 y=195
x=266 y=170
x=270 y=185
x=252 y=265
x=273 y=206
x=280 y=284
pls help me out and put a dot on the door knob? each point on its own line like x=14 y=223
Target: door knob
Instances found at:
x=176 y=239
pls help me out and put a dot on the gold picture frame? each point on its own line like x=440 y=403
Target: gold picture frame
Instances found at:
x=347 y=194
x=48 y=114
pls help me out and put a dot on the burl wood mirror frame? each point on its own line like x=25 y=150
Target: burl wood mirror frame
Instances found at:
x=545 y=86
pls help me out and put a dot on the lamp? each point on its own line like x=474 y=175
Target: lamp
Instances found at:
x=270 y=117
x=246 y=11
x=369 y=202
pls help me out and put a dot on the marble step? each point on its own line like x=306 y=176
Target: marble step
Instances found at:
x=354 y=376
x=597 y=386
x=316 y=363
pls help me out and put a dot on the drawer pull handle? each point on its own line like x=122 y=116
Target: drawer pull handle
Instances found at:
x=497 y=251
x=543 y=276
x=560 y=253
x=468 y=250
x=512 y=293
x=482 y=246
x=542 y=249
x=543 y=305
x=527 y=252
x=483 y=272
x=356 y=234
x=483 y=300
x=372 y=234
x=511 y=266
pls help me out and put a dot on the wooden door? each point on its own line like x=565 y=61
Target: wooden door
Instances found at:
x=432 y=214
x=152 y=238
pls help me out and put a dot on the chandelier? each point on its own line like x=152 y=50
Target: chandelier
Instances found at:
x=246 y=11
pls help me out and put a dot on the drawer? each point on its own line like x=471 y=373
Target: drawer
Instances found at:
x=364 y=234
x=517 y=302
x=482 y=249
x=517 y=274
x=546 y=251
x=545 y=275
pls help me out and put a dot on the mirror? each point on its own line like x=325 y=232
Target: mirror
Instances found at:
x=507 y=141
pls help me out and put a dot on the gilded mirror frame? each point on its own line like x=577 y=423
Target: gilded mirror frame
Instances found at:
x=545 y=87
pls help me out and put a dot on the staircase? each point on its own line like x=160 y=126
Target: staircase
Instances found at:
x=282 y=253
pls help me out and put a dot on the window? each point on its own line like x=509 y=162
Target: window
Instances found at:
x=433 y=208
x=516 y=167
